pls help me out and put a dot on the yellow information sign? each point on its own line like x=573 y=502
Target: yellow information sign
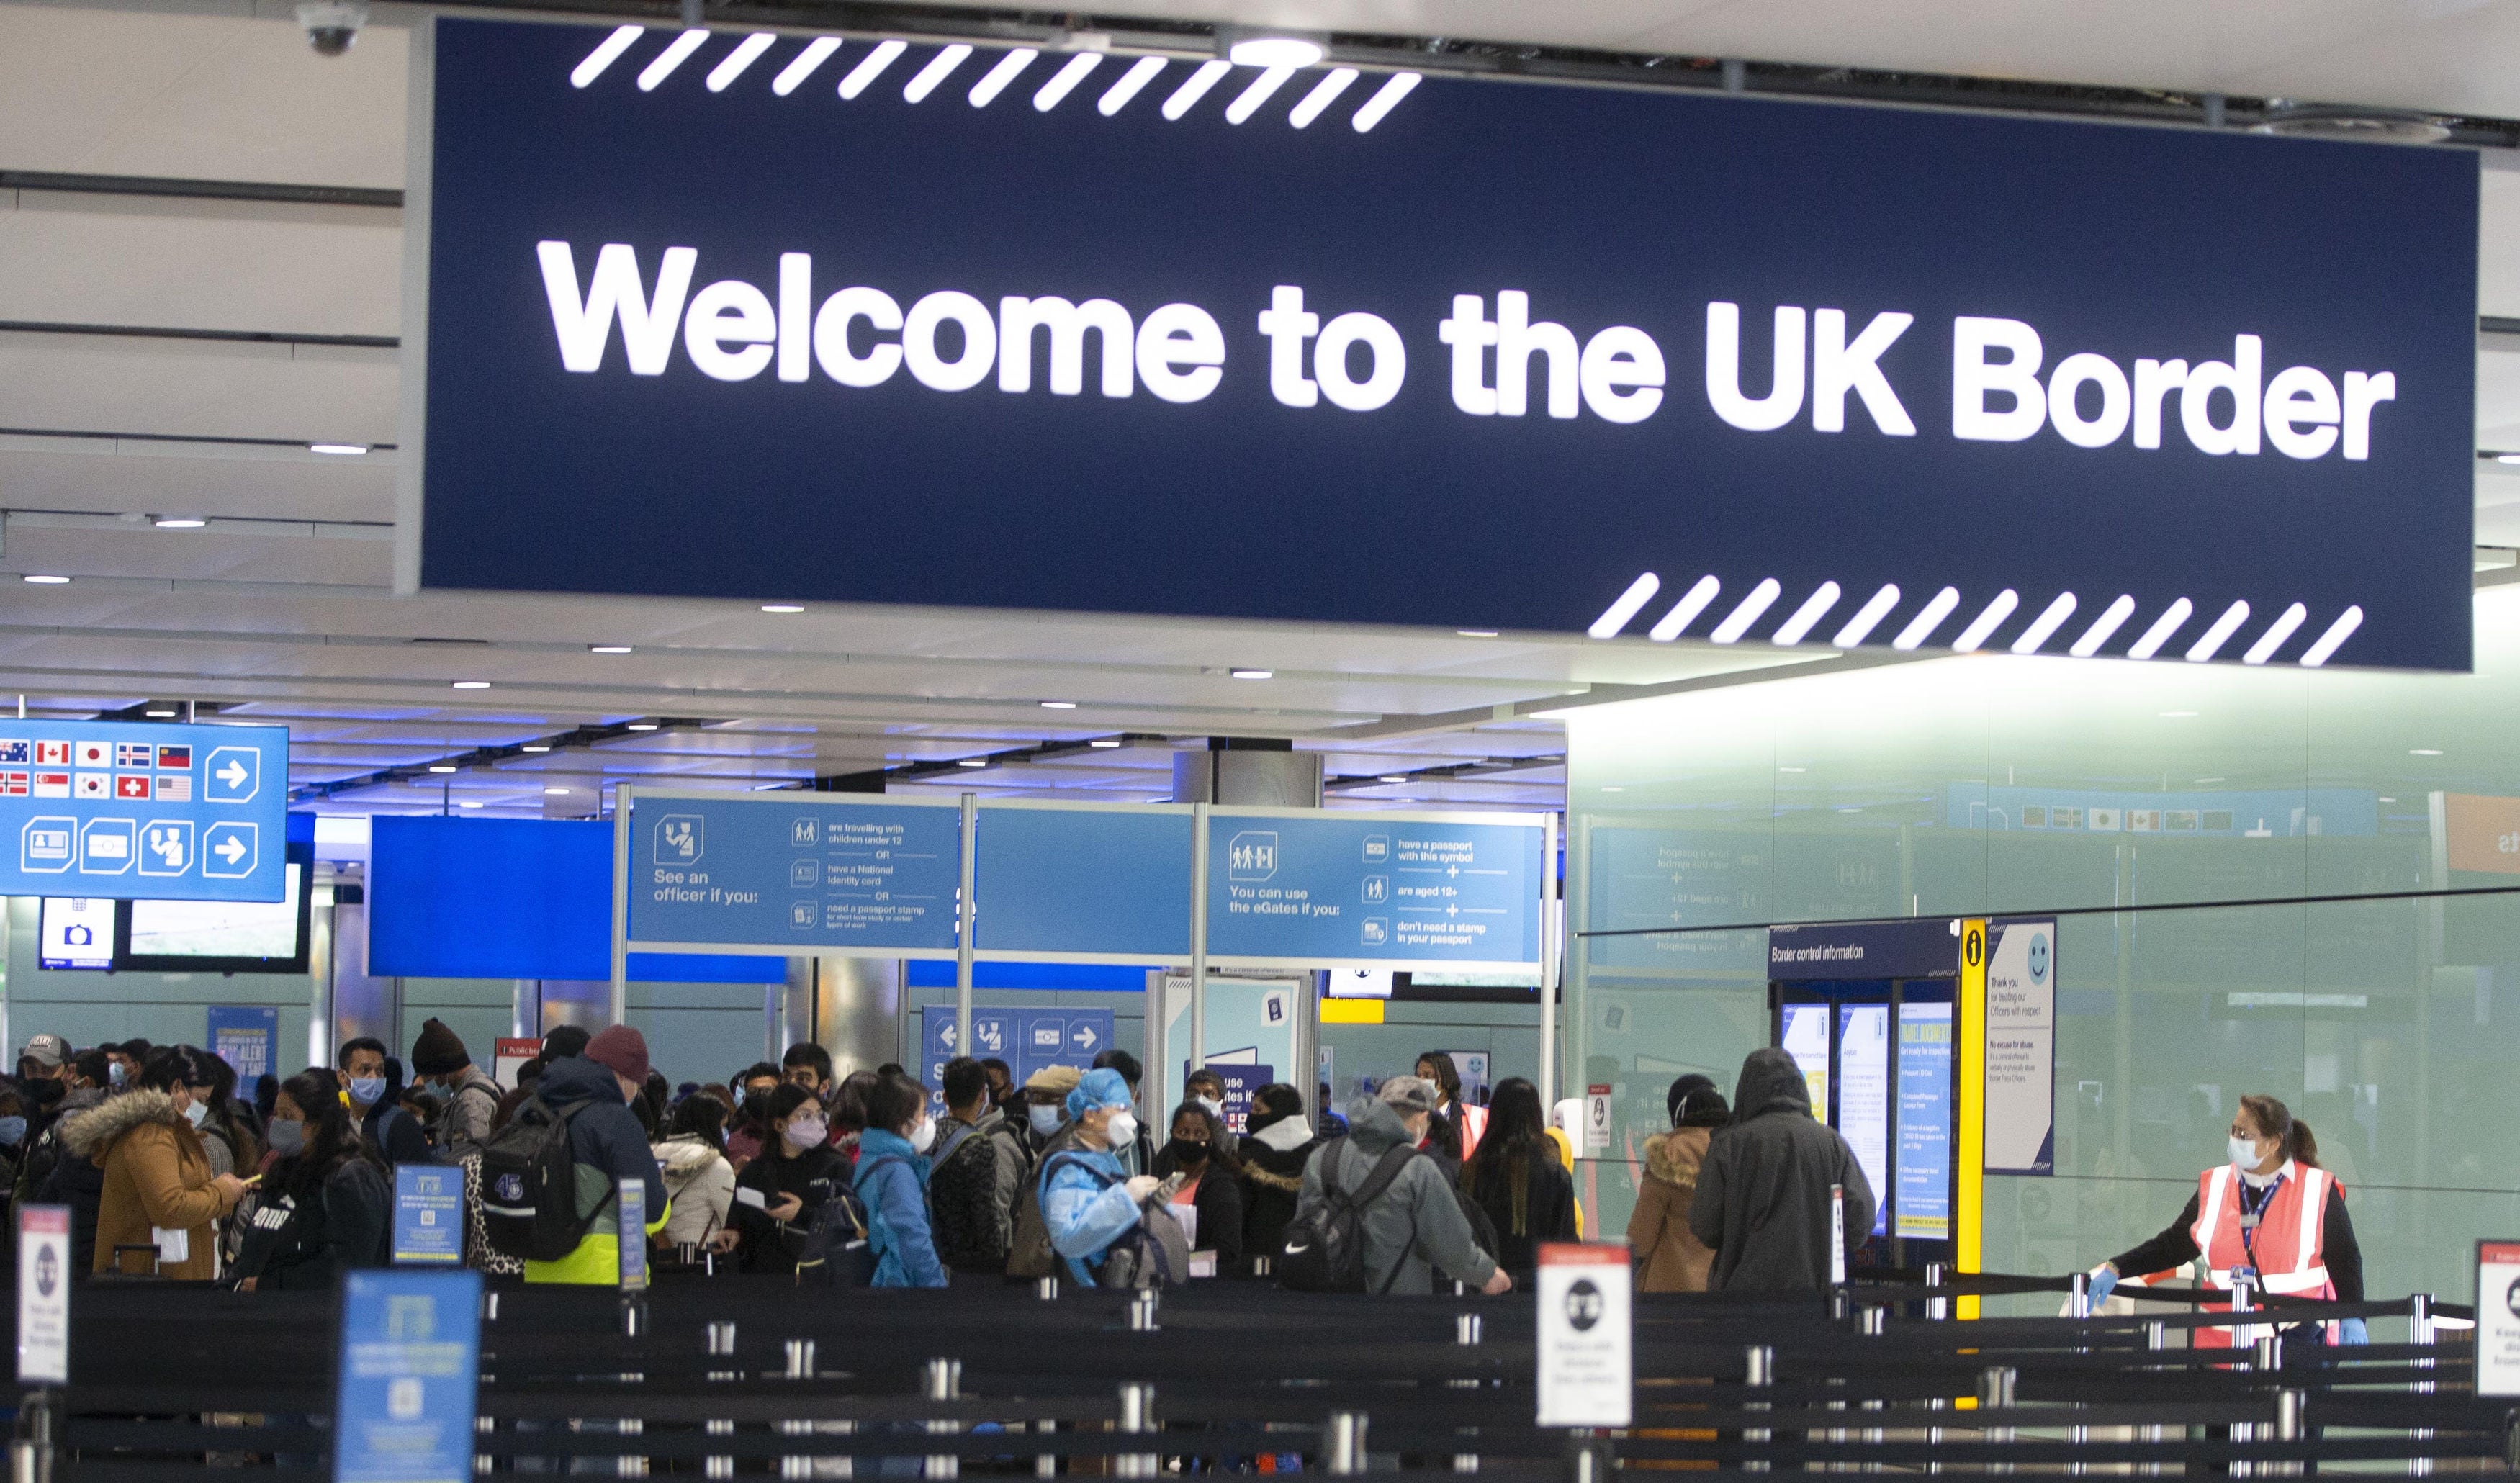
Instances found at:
x=1968 y=1227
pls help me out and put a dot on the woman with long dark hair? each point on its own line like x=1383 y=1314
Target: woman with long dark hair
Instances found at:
x=1513 y=1175
x=776 y=1194
x=1212 y=1180
x=323 y=1205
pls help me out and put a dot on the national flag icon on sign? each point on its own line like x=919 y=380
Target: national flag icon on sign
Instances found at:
x=14 y=754
x=94 y=785
x=175 y=787
x=134 y=753
x=131 y=786
x=52 y=784
x=13 y=785
x=175 y=756
x=94 y=753
x=52 y=754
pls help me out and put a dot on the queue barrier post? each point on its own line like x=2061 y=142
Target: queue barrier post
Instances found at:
x=944 y=1382
x=1143 y=1305
x=31 y=1450
x=1996 y=1387
x=1937 y=1273
x=1137 y=1416
x=2420 y=1331
x=1346 y=1441
x=1759 y=1371
x=2077 y=1302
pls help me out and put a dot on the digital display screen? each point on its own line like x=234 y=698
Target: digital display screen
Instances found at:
x=1864 y=1096
x=1805 y=1039
x=1924 y=1196
x=76 y=932
x=219 y=928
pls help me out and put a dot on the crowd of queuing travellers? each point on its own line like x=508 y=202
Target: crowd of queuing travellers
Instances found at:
x=785 y=1171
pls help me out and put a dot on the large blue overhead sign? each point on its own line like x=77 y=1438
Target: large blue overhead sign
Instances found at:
x=1762 y=371
x=143 y=812
x=1299 y=888
x=795 y=875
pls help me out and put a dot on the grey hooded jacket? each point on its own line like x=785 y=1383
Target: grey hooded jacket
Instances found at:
x=1763 y=1188
x=1416 y=1226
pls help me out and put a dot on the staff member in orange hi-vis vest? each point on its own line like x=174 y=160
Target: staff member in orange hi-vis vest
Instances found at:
x=2270 y=1213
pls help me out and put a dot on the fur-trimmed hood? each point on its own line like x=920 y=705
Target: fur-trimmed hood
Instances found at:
x=91 y=1132
x=1673 y=1156
x=685 y=1154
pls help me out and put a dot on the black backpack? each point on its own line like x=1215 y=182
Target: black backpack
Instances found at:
x=839 y=1243
x=1325 y=1248
x=530 y=1183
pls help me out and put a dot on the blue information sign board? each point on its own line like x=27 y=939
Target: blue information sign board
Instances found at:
x=411 y=1359
x=248 y=1038
x=1026 y=1040
x=428 y=1215
x=1922 y=1203
x=792 y=875
x=139 y=811
x=1095 y=884
x=1295 y=888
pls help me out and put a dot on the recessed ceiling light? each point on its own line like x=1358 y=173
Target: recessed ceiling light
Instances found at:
x=2387 y=800
x=441 y=767
x=2507 y=458
x=179 y=522
x=1793 y=769
x=45 y=579
x=783 y=608
x=466 y=803
x=2177 y=715
x=1614 y=788
x=159 y=715
x=1059 y=705
x=556 y=793
x=471 y=685
x=1275 y=51
x=535 y=747
x=608 y=649
x=972 y=762
x=2423 y=751
x=1253 y=674
x=343 y=450
x=1392 y=778
x=1476 y=633
x=1105 y=742
x=643 y=725
x=2201 y=782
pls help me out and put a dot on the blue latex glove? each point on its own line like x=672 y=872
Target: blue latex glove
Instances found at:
x=2357 y=1332
x=2102 y=1283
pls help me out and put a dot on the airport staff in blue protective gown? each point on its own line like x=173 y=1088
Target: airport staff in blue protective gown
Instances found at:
x=1087 y=1199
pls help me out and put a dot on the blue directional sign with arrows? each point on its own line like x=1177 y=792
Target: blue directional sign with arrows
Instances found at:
x=1026 y=1040
x=134 y=810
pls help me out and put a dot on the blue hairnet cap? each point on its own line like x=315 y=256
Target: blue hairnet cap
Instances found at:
x=1099 y=1089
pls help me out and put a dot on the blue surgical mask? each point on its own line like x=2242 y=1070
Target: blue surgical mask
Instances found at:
x=1045 y=1120
x=288 y=1138
x=13 y=1132
x=116 y=1074
x=197 y=1112
x=365 y=1090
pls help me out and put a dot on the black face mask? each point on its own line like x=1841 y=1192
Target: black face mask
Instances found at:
x=46 y=1092
x=1188 y=1151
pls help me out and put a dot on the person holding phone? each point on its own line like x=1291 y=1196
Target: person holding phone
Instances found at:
x=776 y=1194
x=159 y=1193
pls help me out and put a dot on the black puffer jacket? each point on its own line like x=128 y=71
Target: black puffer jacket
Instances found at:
x=1763 y=1191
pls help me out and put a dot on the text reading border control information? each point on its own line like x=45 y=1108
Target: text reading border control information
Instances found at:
x=1789 y=372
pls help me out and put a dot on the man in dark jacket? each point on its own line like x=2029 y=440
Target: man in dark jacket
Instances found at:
x=1763 y=1189
x=1416 y=1228
x=607 y=1147
x=980 y=1163
x=53 y=1175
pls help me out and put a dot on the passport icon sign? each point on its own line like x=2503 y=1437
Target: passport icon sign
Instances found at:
x=231 y=774
x=45 y=846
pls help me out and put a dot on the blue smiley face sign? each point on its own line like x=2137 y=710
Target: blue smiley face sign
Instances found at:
x=2038 y=958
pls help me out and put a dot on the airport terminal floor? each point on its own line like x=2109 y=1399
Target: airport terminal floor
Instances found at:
x=822 y=740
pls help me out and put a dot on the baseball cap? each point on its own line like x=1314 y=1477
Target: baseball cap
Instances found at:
x=47 y=1050
x=1407 y=1093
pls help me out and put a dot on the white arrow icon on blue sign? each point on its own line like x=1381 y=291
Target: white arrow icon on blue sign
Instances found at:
x=227 y=851
x=231 y=774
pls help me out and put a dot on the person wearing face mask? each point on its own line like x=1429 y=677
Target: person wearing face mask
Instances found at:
x=1045 y=1097
x=980 y=1163
x=1211 y=1181
x=51 y=1175
x=227 y=1133
x=749 y=1129
x=1276 y=1144
x=1137 y=1156
x=43 y=1078
x=324 y=1206
x=1207 y=1089
x=393 y=1133
x=778 y=1192
x=1415 y=1229
x=159 y=1194
x=2269 y=1211
x=892 y=1181
x=1089 y=1203
x=1464 y=1125
x=472 y=1111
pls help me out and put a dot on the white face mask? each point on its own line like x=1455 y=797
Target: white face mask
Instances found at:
x=1121 y=1130
x=2244 y=1152
x=1045 y=1120
x=196 y=1113
x=923 y=1137
x=1215 y=1108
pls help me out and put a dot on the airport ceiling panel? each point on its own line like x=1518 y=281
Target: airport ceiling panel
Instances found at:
x=268 y=267
x=108 y=476
x=202 y=388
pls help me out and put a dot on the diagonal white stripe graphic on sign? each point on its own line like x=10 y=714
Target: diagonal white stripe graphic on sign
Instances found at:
x=1140 y=73
x=871 y=66
x=1737 y=622
x=746 y=52
x=1684 y=612
x=1063 y=82
x=1383 y=101
x=1186 y=96
x=1921 y=627
x=2217 y=636
x=1325 y=93
x=1866 y=617
x=1985 y=622
x=994 y=81
x=2274 y=637
x=2172 y=619
x=606 y=52
x=1262 y=89
x=792 y=77
x=670 y=58
x=2103 y=628
x=1615 y=617
x=2329 y=642
x=1815 y=607
x=2044 y=626
x=930 y=77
